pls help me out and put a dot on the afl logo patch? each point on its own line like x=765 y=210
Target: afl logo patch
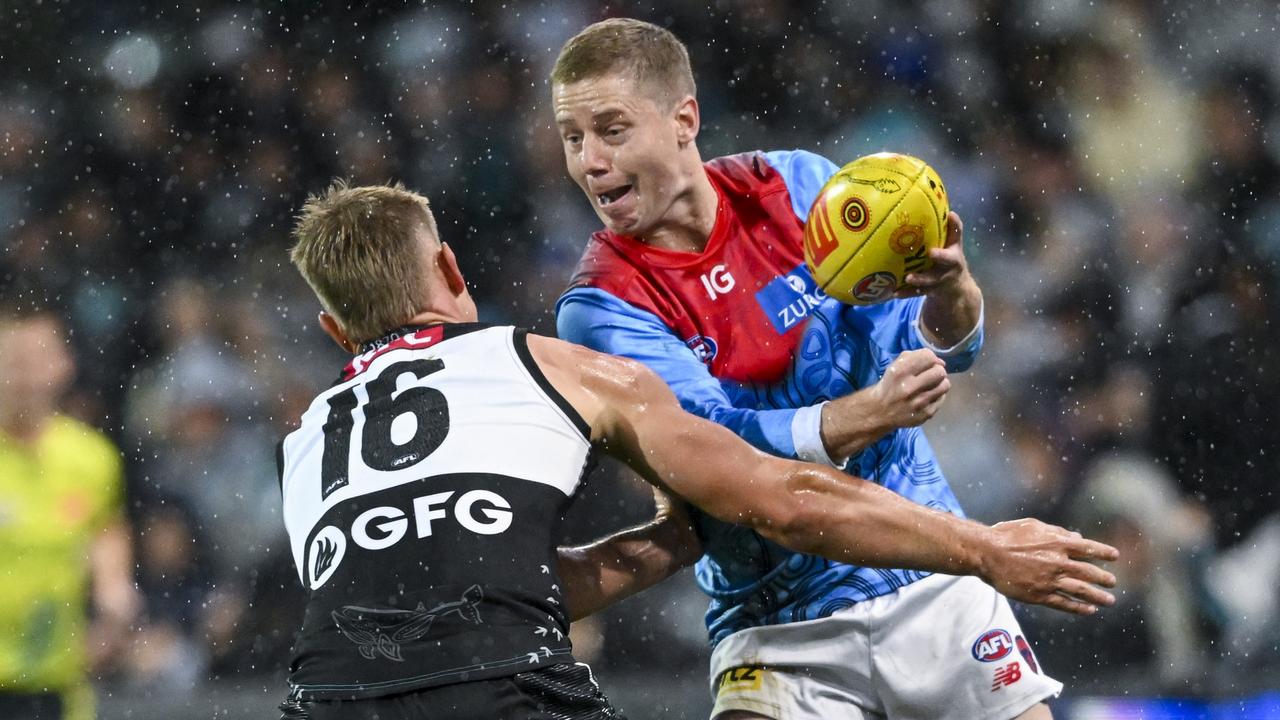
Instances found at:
x=992 y=645
x=875 y=287
x=854 y=214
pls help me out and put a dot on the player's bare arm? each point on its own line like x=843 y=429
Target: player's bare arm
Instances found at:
x=808 y=508
x=953 y=300
x=620 y=565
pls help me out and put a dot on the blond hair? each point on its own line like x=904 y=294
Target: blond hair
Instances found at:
x=653 y=56
x=358 y=248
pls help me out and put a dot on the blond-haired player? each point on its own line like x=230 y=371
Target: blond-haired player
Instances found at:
x=421 y=491
x=699 y=273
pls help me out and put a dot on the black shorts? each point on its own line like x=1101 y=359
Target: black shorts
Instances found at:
x=556 y=692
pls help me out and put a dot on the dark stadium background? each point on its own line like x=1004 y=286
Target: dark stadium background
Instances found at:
x=1116 y=165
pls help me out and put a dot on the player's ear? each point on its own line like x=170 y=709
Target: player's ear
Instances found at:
x=688 y=120
x=448 y=263
x=335 y=331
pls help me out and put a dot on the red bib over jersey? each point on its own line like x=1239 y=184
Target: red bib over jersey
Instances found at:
x=740 y=303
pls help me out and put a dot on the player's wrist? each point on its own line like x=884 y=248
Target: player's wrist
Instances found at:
x=961 y=289
x=951 y=313
x=852 y=422
x=987 y=555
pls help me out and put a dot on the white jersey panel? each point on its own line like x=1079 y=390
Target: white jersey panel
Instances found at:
x=500 y=421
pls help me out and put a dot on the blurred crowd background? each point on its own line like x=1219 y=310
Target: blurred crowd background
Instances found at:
x=1116 y=165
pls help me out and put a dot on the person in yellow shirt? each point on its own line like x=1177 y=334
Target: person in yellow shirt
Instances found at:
x=63 y=538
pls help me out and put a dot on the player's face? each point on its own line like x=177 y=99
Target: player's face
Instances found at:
x=621 y=146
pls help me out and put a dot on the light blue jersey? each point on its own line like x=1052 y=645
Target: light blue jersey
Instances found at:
x=836 y=350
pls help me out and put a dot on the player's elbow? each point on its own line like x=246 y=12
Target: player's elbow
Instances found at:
x=798 y=517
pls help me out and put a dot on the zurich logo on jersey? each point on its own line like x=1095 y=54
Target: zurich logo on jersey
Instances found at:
x=789 y=299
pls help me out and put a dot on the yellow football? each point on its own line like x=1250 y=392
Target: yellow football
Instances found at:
x=872 y=224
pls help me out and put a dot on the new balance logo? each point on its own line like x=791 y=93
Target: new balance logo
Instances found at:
x=1006 y=676
x=717 y=282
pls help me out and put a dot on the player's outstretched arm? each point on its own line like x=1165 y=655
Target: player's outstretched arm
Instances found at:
x=620 y=565
x=812 y=509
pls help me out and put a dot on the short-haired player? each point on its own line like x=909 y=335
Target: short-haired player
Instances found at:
x=699 y=274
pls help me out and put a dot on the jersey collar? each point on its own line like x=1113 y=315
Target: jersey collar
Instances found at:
x=415 y=337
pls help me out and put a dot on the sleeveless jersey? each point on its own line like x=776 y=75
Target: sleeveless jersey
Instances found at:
x=421 y=493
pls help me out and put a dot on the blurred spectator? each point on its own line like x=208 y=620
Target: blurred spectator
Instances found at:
x=169 y=654
x=1133 y=119
x=1166 y=539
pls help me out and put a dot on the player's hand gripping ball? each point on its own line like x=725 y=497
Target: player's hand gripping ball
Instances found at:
x=873 y=223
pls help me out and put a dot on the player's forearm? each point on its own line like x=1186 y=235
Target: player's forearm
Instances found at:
x=616 y=567
x=851 y=423
x=858 y=522
x=949 y=315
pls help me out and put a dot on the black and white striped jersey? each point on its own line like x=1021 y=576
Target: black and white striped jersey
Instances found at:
x=421 y=493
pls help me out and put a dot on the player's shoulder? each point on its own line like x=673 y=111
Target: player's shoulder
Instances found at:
x=761 y=172
x=743 y=172
x=766 y=164
x=799 y=165
x=802 y=173
x=586 y=377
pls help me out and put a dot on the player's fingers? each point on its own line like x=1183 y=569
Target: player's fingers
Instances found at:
x=930 y=277
x=928 y=411
x=1090 y=573
x=945 y=257
x=914 y=362
x=930 y=378
x=935 y=372
x=919 y=281
x=1082 y=549
x=935 y=393
x=1067 y=605
x=941 y=272
x=955 y=230
x=1085 y=592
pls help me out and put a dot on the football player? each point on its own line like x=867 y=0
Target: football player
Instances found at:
x=699 y=274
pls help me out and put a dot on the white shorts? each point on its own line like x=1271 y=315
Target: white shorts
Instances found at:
x=944 y=647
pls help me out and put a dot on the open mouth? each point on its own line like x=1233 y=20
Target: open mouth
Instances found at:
x=606 y=199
